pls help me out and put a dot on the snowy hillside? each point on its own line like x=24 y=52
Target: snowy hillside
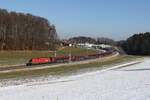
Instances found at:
x=129 y=83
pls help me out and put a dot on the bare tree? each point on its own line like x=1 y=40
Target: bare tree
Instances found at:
x=19 y=31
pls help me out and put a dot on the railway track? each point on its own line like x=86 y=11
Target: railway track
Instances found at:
x=22 y=67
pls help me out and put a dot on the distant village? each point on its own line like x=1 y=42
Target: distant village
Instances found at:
x=86 y=45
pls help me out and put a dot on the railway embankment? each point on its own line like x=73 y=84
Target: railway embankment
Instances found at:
x=66 y=68
x=20 y=58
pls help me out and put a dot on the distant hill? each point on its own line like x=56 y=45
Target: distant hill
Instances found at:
x=82 y=39
x=99 y=40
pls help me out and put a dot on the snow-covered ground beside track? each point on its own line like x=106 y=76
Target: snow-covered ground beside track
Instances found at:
x=124 y=83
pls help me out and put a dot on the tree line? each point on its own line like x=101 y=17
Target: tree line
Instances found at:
x=100 y=40
x=138 y=44
x=19 y=31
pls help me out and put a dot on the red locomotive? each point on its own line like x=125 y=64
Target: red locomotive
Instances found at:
x=39 y=61
x=61 y=59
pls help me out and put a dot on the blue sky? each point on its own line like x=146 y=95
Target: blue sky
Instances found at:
x=116 y=19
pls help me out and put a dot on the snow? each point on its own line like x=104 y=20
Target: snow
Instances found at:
x=128 y=83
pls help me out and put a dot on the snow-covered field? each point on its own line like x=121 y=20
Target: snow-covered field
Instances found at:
x=129 y=83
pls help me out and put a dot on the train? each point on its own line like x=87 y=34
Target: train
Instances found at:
x=62 y=59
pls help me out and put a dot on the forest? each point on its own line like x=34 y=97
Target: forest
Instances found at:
x=138 y=44
x=19 y=31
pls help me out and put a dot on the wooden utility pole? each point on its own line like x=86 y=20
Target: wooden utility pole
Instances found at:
x=70 y=57
x=55 y=54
